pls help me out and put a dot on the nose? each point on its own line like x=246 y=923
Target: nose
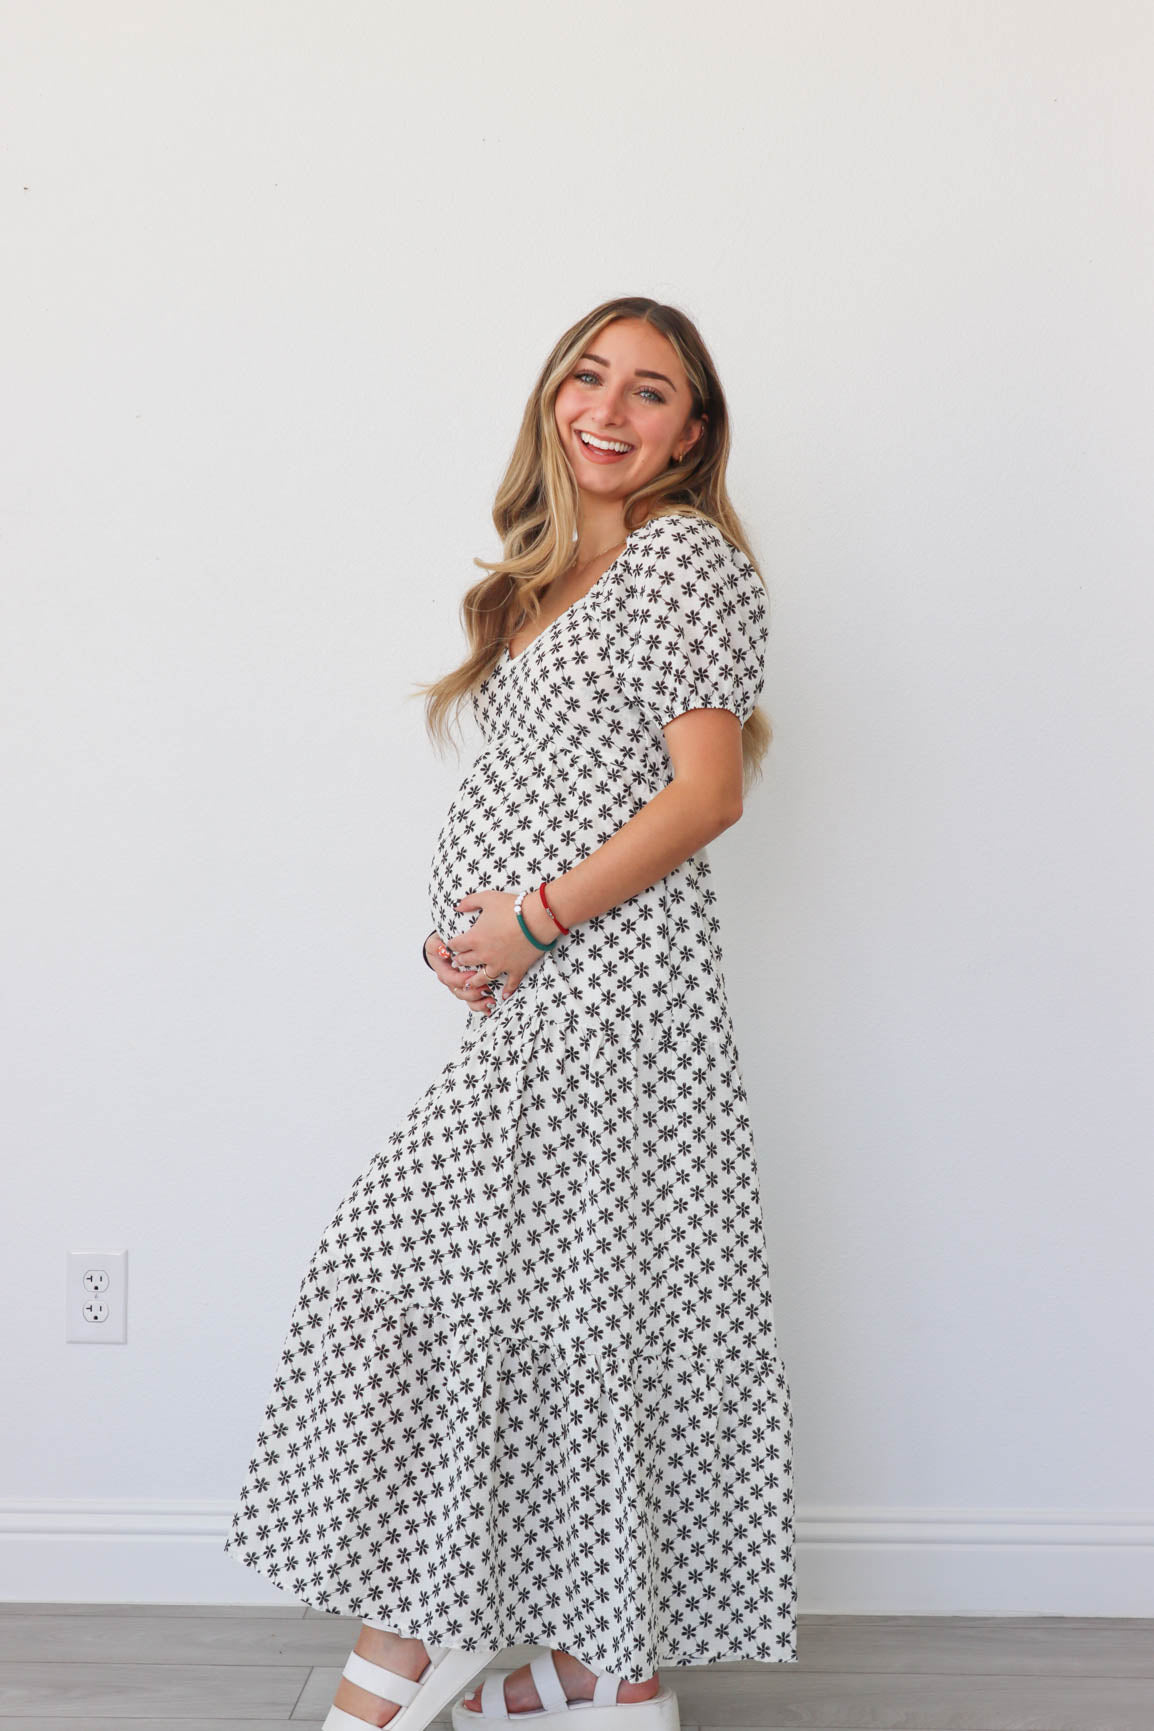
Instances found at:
x=611 y=406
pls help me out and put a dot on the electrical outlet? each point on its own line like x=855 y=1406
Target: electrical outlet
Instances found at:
x=97 y=1297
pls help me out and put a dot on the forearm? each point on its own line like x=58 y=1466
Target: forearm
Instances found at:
x=656 y=839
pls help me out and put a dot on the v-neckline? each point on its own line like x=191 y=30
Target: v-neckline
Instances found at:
x=512 y=660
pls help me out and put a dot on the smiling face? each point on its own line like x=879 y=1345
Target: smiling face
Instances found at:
x=625 y=410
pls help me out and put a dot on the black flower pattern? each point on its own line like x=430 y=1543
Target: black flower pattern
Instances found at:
x=531 y=1389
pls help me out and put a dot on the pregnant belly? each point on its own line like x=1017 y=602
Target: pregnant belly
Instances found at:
x=521 y=815
x=500 y=833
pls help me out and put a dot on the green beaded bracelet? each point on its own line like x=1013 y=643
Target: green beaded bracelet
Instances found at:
x=521 y=922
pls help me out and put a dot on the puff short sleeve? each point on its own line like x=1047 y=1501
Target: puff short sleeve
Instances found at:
x=695 y=623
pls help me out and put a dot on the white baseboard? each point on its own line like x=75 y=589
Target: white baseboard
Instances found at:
x=976 y=1562
x=881 y=1562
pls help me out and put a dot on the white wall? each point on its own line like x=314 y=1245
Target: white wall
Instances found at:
x=277 y=280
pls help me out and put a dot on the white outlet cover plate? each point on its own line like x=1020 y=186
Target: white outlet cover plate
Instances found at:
x=114 y=1330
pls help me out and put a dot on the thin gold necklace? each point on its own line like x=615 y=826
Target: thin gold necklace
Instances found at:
x=594 y=558
x=524 y=615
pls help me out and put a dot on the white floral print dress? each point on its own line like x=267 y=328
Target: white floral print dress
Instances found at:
x=531 y=1389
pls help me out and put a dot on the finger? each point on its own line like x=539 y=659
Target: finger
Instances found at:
x=475 y=996
x=470 y=999
x=455 y=962
x=471 y=985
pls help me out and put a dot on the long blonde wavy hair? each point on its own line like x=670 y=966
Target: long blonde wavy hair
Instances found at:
x=535 y=511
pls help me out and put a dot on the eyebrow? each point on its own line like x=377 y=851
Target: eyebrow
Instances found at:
x=640 y=372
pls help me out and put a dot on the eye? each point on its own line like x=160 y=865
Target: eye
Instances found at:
x=647 y=390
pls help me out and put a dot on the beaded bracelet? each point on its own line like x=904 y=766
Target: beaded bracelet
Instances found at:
x=521 y=922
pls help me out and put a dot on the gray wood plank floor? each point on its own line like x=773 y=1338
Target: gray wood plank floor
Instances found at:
x=224 y=1668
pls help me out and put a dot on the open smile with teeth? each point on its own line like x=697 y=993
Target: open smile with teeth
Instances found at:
x=604 y=444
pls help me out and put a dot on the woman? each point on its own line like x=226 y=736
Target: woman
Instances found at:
x=531 y=1391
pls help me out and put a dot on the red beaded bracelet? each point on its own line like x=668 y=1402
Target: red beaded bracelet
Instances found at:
x=552 y=915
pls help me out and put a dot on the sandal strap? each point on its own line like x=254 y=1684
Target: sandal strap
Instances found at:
x=336 y=1719
x=605 y=1689
x=379 y=1680
x=493 y=1704
x=543 y=1668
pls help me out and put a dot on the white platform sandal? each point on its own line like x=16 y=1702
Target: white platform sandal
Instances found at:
x=449 y=1670
x=603 y=1713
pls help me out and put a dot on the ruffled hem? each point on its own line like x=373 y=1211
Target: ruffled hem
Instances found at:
x=481 y=1489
